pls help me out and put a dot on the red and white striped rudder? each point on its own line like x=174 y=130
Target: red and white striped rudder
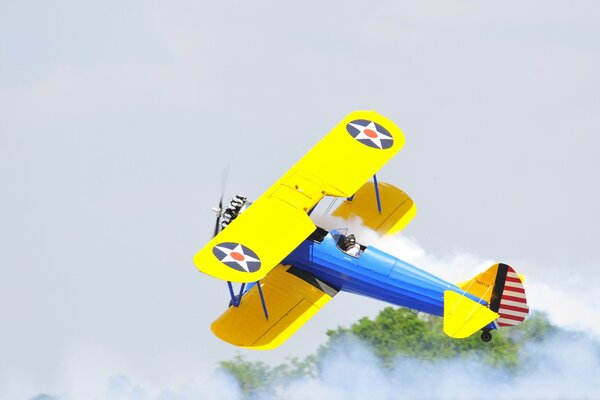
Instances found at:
x=512 y=306
x=502 y=288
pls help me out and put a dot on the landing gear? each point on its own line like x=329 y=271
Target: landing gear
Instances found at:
x=486 y=336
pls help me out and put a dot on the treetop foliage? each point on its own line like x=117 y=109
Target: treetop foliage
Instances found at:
x=396 y=333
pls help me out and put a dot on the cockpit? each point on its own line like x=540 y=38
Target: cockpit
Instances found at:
x=344 y=241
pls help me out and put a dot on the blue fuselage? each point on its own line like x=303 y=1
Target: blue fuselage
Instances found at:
x=373 y=274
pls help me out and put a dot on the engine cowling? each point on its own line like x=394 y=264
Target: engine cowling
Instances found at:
x=237 y=205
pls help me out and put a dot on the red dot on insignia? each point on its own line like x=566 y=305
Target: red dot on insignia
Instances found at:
x=237 y=256
x=370 y=133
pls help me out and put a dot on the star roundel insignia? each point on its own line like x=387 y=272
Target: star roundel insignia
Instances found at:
x=237 y=256
x=370 y=133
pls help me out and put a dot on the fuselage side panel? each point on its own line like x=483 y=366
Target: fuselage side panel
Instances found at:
x=374 y=274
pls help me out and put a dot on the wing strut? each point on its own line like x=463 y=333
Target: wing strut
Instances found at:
x=377 y=197
x=262 y=300
x=237 y=300
x=377 y=193
x=230 y=286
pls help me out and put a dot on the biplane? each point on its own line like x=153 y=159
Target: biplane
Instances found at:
x=288 y=268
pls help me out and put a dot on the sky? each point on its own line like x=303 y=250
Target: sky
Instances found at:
x=117 y=120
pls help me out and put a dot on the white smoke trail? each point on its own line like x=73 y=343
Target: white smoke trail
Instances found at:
x=560 y=293
x=563 y=367
x=569 y=299
x=557 y=369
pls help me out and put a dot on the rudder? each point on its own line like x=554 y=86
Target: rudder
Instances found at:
x=502 y=287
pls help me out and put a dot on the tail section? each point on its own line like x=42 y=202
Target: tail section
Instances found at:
x=509 y=299
x=494 y=298
x=502 y=288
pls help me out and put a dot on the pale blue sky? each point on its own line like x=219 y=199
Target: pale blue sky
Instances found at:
x=117 y=118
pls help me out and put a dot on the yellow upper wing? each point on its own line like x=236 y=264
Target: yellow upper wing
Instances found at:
x=255 y=242
x=348 y=156
x=275 y=224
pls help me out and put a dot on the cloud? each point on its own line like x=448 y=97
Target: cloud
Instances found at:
x=564 y=366
x=562 y=298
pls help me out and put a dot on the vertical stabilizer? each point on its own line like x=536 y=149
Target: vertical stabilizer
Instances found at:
x=502 y=287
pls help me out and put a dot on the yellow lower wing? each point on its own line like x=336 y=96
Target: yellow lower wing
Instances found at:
x=397 y=209
x=292 y=297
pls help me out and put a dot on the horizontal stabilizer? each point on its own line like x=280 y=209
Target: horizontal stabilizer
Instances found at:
x=463 y=316
x=292 y=297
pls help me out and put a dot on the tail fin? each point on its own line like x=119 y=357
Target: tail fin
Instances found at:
x=503 y=289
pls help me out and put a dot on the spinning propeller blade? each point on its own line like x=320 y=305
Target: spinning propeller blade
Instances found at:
x=219 y=210
x=218 y=220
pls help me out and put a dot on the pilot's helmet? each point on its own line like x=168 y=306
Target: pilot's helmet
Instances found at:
x=350 y=240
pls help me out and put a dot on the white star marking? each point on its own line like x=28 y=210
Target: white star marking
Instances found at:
x=373 y=128
x=238 y=249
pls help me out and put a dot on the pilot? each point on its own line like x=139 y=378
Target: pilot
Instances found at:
x=351 y=247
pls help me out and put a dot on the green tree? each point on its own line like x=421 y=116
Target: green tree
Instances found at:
x=398 y=332
x=253 y=376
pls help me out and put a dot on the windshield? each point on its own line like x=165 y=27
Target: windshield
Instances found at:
x=337 y=233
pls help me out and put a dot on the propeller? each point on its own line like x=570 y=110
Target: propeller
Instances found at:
x=219 y=210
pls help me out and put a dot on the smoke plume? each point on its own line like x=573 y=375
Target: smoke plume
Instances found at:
x=565 y=365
